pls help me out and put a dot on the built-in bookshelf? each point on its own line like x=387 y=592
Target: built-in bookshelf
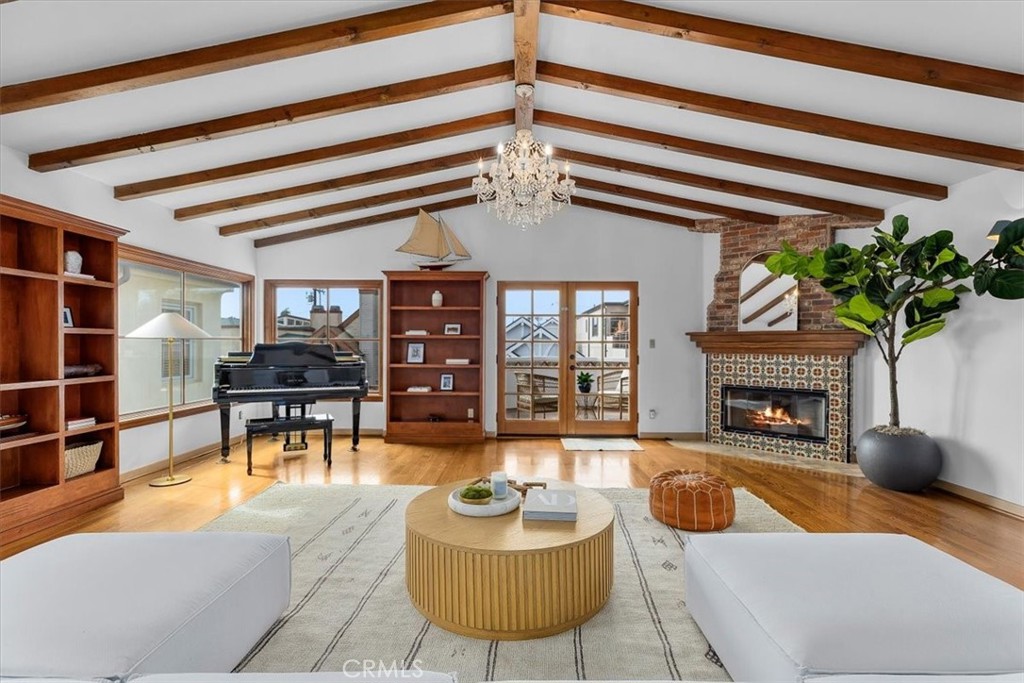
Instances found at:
x=50 y=321
x=439 y=415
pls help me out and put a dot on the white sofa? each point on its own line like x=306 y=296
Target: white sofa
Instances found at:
x=850 y=608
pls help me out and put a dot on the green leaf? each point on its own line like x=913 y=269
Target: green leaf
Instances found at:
x=983 y=278
x=1007 y=284
x=816 y=266
x=856 y=325
x=861 y=307
x=1012 y=235
x=921 y=331
x=899 y=292
x=961 y=289
x=900 y=227
x=939 y=295
x=944 y=256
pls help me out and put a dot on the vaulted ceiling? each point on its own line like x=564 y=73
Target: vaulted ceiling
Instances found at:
x=285 y=121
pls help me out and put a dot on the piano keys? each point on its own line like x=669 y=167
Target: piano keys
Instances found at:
x=292 y=374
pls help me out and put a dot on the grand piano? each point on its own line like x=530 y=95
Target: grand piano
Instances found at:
x=291 y=376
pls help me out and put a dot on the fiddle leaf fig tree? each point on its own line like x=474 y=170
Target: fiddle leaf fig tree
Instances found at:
x=923 y=280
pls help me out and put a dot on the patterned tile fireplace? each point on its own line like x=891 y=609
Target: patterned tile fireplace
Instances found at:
x=781 y=392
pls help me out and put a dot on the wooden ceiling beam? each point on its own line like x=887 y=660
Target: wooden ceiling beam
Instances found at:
x=256 y=167
x=393 y=197
x=678 y=202
x=526 y=14
x=634 y=212
x=739 y=155
x=323 y=186
x=247 y=52
x=804 y=201
x=395 y=215
x=781 y=117
x=273 y=117
x=798 y=47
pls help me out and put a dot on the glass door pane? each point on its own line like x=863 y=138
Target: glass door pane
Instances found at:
x=531 y=363
x=603 y=358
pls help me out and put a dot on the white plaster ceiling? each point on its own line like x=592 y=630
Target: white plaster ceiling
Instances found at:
x=42 y=38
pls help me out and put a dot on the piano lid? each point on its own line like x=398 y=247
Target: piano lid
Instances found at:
x=293 y=353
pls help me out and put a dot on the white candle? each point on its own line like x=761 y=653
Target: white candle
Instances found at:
x=499 y=484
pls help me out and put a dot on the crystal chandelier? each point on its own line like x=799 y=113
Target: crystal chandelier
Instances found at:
x=524 y=187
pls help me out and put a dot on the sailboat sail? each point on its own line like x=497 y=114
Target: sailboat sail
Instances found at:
x=434 y=239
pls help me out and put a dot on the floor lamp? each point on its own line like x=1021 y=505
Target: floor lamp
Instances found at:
x=170 y=327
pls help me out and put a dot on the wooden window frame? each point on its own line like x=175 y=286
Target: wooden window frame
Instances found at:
x=128 y=252
x=270 y=288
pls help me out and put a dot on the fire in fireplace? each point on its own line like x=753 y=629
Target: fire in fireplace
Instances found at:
x=784 y=413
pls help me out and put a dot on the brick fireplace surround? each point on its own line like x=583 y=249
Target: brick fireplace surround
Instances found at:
x=818 y=357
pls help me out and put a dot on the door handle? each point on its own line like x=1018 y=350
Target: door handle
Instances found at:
x=572 y=356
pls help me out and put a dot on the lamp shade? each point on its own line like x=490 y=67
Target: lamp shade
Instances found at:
x=168 y=326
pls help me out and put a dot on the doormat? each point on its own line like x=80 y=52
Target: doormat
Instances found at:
x=600 y=445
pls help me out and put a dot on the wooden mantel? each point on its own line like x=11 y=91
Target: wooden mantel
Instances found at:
x=810 y=343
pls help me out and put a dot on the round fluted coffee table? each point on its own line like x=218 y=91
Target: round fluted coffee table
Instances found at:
x=503 y=578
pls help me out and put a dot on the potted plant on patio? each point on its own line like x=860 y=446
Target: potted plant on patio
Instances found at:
x=584 y=381
x=923 y=281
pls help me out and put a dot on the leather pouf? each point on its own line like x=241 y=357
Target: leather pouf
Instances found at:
x=691 y=500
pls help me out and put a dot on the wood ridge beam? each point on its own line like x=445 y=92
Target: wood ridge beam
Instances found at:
x=323 y=186
x=739 y=155
x=678 y=202
x=308 y=157
x=395 y=215
x=271 y=117
x=727 y=186
x=798 y=47
x=526 y=21
x=781 y=117
x=371 y=201
x=246 y=52
x=634 y=212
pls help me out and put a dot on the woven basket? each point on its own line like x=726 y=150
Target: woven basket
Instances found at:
x=81 y=458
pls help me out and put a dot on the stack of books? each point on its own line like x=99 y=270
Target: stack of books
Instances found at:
x=419 y=389
x=84 y=276
x=456 y=361
x=81 y=422
x=550 y=505
x=417 y=333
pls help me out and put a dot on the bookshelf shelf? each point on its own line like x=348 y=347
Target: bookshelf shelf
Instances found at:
x=447 y=416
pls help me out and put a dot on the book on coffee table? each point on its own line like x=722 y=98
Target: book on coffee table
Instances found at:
x=553 y=505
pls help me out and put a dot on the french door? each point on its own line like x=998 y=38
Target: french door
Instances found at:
x=551 y=335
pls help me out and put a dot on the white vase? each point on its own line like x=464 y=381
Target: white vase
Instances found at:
x=436 y=299
x=72 y=262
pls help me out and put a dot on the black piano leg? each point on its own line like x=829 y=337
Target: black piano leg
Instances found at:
x=356 y=403
x=225 y=424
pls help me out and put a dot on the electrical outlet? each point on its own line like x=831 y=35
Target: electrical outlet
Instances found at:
x=470 y=413
x=652 y=413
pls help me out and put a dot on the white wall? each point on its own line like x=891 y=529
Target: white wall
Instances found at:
x=150 y=226
x=965 y=385
x=577 y=244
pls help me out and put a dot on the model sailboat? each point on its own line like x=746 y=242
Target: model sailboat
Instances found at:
x=433 y=238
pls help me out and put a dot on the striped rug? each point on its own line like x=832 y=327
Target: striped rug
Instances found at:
x=349 y=600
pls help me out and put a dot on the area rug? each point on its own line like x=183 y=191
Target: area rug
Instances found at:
x=349 y=600
x=600 y=445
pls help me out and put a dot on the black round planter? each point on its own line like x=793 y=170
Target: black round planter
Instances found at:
x=584 y=388
x=909 y=462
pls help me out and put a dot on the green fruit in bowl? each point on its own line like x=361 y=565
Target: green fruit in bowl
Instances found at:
x=476 y=495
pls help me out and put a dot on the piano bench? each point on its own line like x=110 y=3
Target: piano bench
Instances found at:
x=280 y=425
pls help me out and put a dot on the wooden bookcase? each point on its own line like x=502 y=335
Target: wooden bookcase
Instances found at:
x=36 y=346
x=435 y=416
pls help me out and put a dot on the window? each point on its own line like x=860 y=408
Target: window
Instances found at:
x=213 y=299
x=343 y=313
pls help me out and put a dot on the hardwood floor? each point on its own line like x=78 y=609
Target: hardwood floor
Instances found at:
x=817 y=501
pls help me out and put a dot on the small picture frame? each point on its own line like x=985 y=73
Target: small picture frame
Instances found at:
x=415 y=352
x=453 y=328
x=447 y=381
x=67 y=318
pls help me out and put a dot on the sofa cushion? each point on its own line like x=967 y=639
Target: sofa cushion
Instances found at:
x=110 y=605
x=791 y=606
